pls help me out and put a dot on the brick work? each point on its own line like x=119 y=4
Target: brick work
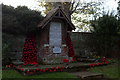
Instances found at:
x=48 y=57
x=45 y=51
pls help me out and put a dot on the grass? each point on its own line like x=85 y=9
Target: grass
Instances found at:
x=0 y=74
x=14 y=74
x=110 y=71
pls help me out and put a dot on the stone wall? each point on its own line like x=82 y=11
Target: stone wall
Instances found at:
x=16 y=43
x=83 y=43
x=19 y=42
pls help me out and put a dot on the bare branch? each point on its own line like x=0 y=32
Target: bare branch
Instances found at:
x=75 y=8
x=72 y=6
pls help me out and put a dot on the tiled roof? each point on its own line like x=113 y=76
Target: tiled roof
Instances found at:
x=50 y=15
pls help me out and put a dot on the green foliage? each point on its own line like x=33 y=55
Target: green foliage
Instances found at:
x=107 y=25
x=78 y=11
x=105 y=31
x=19 y=20
x=7 y=44
x=16 y=21
x=110 y=71
x=113 y=60
x=56 y=75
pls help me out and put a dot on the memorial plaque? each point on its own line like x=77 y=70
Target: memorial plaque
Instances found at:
x=56 y=50
x=55 y=34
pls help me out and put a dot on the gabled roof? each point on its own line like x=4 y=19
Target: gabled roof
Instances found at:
x=51 y=15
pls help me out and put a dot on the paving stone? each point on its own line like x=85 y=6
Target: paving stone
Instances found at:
x=84 y=75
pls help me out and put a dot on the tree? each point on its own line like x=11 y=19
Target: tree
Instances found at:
x=19 y=20
x=105 y=31
x=7 y=44
x=68 y=7
x=118 y=8
x=16 y=21
x=75 y=9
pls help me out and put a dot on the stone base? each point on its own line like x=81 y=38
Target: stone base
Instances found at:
x=53 y=59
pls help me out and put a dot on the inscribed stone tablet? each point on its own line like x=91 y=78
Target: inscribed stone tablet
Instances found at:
x=56 y=50
x=55 y=34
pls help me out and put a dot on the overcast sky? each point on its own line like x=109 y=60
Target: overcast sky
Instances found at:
x=33 y=4
x=109 y=5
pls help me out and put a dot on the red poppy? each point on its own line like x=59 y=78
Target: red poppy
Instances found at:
x=43 y=70
x=98 y=64
x=40 y=69
x=74 y=59
x=58 y=67
x=21 y=69
x=14 y=66
x=24 y=64
x=37 y=65
x=93 y=65
x=10 y=64
x=34 y=63
x=27 y=71
x=104 y=59
x=37 y=69
x=47 y=69
x=61 y=69
x=19 y=65
x=50 y=70
x=31 y=72
x=90 y=65
x=54 y=70
x=107 y=62
x=65 y=60
x=7 y=66
x=18 y=68
x=52 y=67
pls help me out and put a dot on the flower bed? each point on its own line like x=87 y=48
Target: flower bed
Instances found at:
x=66 y=68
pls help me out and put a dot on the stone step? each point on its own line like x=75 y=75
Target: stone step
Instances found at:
x=85 y=60
x=17 y=63
x=13 y=58
x=71 y=67
x=82 y=57
x=88 y=75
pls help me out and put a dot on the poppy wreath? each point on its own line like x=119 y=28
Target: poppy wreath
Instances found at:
x=30 y=50
x=70 y=47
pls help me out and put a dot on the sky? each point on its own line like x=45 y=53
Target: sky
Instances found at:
x=33 y=4
x=109 y=5
x=30 y=3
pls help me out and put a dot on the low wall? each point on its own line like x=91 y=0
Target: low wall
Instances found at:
x=83 y=43
x=12 y=45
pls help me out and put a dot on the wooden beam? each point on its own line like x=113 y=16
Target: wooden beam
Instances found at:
x=59 y=17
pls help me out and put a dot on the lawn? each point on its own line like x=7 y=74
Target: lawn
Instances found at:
x=110 y=71
x=14 y=74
